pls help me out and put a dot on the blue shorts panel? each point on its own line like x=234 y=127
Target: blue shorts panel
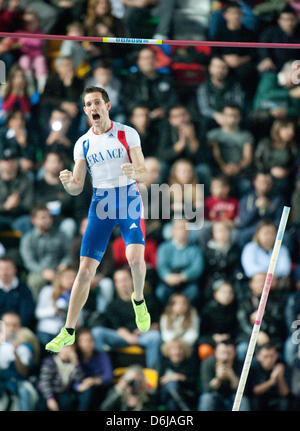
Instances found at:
x=109 y=207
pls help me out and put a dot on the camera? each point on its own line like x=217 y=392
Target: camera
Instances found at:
x=133 y=384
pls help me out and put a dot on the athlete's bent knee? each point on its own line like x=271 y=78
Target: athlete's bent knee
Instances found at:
x=85 y=274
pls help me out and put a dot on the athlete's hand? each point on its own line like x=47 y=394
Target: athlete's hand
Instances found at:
x=128 y=170
x=65 y=176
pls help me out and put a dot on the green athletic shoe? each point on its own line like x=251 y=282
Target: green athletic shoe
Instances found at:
x=142 y=317
x=61 y=340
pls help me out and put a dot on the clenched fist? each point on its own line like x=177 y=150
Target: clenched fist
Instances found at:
x=65 y=176
x=128 y=170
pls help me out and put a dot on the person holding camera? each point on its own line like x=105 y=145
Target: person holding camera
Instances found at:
x=130 y=393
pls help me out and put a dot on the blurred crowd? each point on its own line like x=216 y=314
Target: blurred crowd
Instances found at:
x=227 y=118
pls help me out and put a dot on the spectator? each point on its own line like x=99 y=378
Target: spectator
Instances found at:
x=179 y=138
x=232 y=149
x=97 y=369
x=277 y=95
x=63 y=89
x=43 y=250
x=268 y=382
x=31 y=50
x=217 y=21
x=178 y=376
x=220 y=206
x=179 y=320
x=186 y=195
x=218 y=90
x=276 y=155
x=179 y=265
x=219 y=375
x=241 y=61
x=256 y=254
x=10 y=20
x=140 y=119
x=52 y=304
x=258 y=204
x=58 y=134
x=16 y=192
x=218 y=316
x=76 y=49
x=119 y=328
x=286 y=30
x=221 y=255
x=17 y=134
x=14 y=294
x=130 y=393
x=101 y=9
x=149 y=87
x=61 y=382
x=49 y=190
x=15 y=93
x=295 y=380
x=272 y=328
x=18 y=354
x=135 y=16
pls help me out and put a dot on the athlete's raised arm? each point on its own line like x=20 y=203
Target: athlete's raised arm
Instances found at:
x=137 y=169
x=73 y=182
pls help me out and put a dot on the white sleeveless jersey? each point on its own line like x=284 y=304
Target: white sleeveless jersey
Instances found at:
x=106 y=152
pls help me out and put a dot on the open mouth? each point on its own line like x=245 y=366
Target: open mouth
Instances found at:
x=96 y=117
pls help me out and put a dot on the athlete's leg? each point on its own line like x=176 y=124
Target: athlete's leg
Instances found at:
x=136 y=261
x=81 y=288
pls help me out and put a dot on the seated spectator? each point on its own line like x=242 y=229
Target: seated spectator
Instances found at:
x=76 y=49
x=15 y=94
x=260 y=203
x=240 y=61
x=97 y=369
x=272 y=328
x=16 y=133
x=103 y=77
x=149 y=87
x=218 y=317
x=179 y=138
x=59 y=134
x=286 y=30
x=276 y=155
x=295 y=380
x=43 y=250
x=16 y=192
x=101 y=9
x=277 y=96
x=140 y=119
x=179 y=265
x=219 y=376
x=135 y=15
x=63 y=89
x=218 y=90
x=179 y=320
x=52 y=304
x=32 y=58
x=118 y=327
x=220 y=206
x=256 y=254
x=130 y=393
x=186 y=192
x=18 y=356
x=14 y=294
x=178 y=376
x=232 y=149
x=217 y=21
x=61 y=382
x=268 y=382
x=49 y=190
x=10 y=20
x=221 y=254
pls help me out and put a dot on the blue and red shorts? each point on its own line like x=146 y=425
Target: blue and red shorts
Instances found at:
x=109 y=207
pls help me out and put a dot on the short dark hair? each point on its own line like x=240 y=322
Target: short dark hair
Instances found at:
x=231 y=5
x=267 y=346
x=40 y=206
x=7 y=258
x=222 y=178
x=94 y=89
x=232 y=105
x=287 y=9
